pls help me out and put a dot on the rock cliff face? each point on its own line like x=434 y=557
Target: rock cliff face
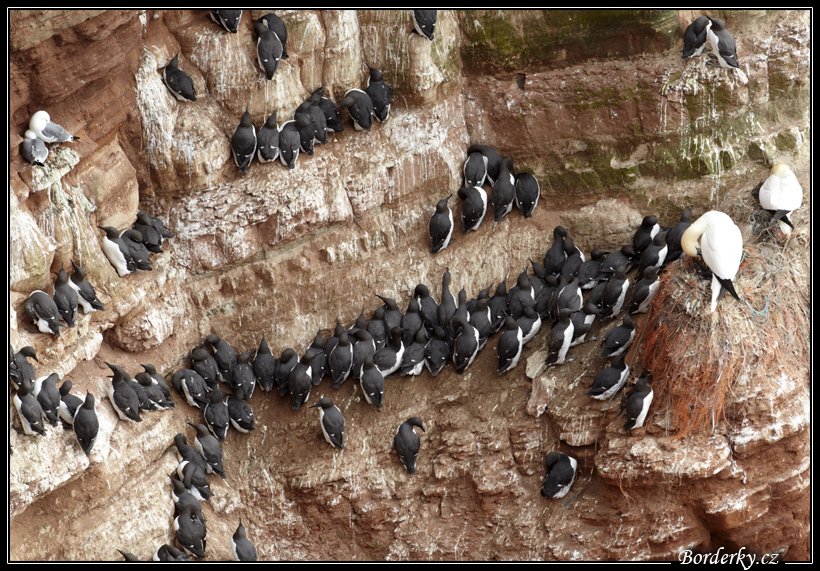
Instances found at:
x=597 y=105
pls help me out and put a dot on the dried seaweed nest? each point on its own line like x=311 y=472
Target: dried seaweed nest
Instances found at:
x=695 y=357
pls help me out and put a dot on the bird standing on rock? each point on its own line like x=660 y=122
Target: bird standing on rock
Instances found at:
x=178 y=82
x=407 y=443
x=721 y=246
x=332 y=422
x=243 y=142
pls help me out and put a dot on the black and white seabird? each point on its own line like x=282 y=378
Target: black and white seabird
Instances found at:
x=204 y=364
x=654 y=254
x=264 y=366
x=268 y=49
x=170 y=554
x=407 y=443
x=615 y=294
x=721 y=246
x=34 y=149
x=673 y=236
x=69 y=403
x=216 y=414
x=42 y=310
x=556 y=254
x=530 y=323
x=437 y=351
x=474 y=207
x=372 y=383
x=428 y=308
x=242 y=547
x=228 y=19
x=340 y=360
x=153 y=391
x=560 y=475
x=498 y=306
x=424 y=23
x=195 y=480
x=50 y=132
x=48 y=395
x=504 y=190
x=441 y=226
x=493 y=160
x=781 y=193
x=475 y=169
x=723 y=43
x=379 y=93
x=618 y=339
x=388 y=358
x=412 y=361
x=590 y=270
x=560 y=338
x=610 y=380
x=275 y=24
x=151 y=237
x=240 y=412
x=582 y=321
x=362 y=347
x=333 y=340
x=192 y=386
x=644 y=234
x=567 y=297
x=66 y=298
x=210 y=449
x=243 y=374
x=509 y=346
x=287 y=361
x=644 y=291
x=123 y=398
x=481 y=319
x=157 y=380
x=19 y=366
x=86 y=424
x=465 y=347
x=290 y=142
x=392 y=313
x=267 y=140
x=178 y=82
x=225 y=356
x=625 y=257
x=318 y=360
x=300 y=382
x=117 y=251
x=190 y=532
x=527 y=193
x=139 y=253
x=411 y=322
x=572 y=264
x=243 y=142
x=636 y=403
x=29 y=409
x=332 y=422
x=360 y=107
x=188 y=453
x=694 y=38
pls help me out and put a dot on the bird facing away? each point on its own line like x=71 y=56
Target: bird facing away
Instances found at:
x=407 y=443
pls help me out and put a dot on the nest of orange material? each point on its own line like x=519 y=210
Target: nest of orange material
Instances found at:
x=695 y=357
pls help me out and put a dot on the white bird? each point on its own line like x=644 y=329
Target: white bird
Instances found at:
x=721 y=246
x=41 y=125
x=782 y=193
x=33 y=149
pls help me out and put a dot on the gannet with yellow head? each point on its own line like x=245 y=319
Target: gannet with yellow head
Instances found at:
x=782 y=193
x=721 y=247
